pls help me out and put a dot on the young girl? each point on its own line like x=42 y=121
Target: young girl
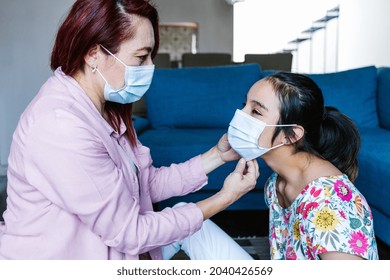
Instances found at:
x=315 y=210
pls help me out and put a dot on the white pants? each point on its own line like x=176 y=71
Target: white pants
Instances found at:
x=209 y=243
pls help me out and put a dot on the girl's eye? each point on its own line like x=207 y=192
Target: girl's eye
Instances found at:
x=256 y=112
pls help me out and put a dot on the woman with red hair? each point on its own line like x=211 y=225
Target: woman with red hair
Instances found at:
x=80 y=184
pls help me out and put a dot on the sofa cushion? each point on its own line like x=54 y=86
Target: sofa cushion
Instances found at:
x=353 y=92
x=199 y=97
x=384 y=96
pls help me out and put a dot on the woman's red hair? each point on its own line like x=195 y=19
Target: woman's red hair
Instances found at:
x=105 y=22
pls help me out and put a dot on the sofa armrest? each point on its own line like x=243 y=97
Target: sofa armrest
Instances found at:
x=384 y=97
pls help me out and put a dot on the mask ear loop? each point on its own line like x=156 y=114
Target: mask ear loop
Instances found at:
x=113 y=55
x=276 y=146
x=279 y=125
x=95 y=69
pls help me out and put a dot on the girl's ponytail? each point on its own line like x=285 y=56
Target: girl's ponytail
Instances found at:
x=339 y=141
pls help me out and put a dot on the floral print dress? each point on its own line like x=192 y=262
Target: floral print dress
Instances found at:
x=329 y=214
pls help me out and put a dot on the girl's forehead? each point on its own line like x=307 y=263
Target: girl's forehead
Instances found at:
x=262 y=89
x=263 y=92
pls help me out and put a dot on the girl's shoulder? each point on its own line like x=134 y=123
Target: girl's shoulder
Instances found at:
x=338 y=185
x=334 y=192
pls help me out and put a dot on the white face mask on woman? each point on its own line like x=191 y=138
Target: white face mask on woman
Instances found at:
x=137 y=82
x=244 y=133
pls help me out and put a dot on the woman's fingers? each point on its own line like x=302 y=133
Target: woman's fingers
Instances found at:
x=253 y=168
x=240 y=167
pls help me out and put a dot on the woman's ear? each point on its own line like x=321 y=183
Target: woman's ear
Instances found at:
x=299 y=132
x=92 y=56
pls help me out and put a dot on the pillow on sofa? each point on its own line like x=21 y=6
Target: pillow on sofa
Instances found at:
x=199 y=97
x=384 y=96
x=353 y=92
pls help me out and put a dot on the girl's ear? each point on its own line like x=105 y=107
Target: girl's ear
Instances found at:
x=299 y=131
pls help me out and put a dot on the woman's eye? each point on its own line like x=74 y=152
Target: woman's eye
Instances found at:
x=143 y=58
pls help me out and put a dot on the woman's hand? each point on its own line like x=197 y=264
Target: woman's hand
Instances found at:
x=242 y=179
x=218 y=155
x=225 y=151
x=238 y=183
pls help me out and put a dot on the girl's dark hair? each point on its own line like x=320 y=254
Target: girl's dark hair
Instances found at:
x=328 y=133
x=105 y=22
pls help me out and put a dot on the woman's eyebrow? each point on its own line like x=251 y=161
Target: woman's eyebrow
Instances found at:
x=260 y=105
x=148 y=49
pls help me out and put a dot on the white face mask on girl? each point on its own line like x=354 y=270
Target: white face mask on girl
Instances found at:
x=137 y=82
x=244 y=133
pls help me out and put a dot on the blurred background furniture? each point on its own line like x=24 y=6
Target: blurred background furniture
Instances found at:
x=205 y=59
x=177 y=38
x=273 y=61
x=162 y=60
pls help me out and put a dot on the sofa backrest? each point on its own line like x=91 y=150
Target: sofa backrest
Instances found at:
x=207 y=97
x=384 y=96
x=353 y=92
x=199 y=97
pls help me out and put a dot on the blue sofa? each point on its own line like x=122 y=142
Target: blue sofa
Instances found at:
x=188 y=110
